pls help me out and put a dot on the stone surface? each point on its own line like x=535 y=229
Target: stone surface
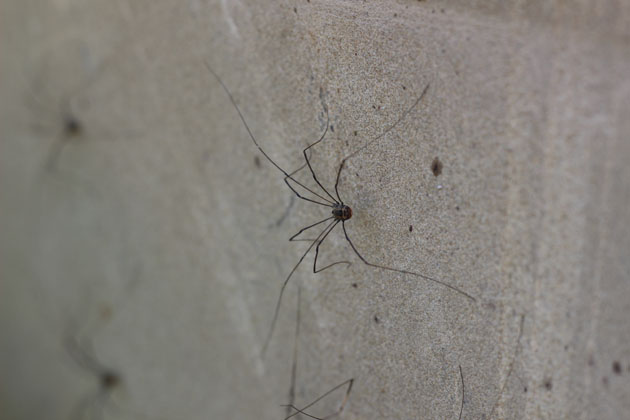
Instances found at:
x=156 y=235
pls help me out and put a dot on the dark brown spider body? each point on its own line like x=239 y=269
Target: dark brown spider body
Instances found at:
x=72 y=126
x=109 y=380
x=341 y=212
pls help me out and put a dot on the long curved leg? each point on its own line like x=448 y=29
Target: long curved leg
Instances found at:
x=292 y=238
x=337 y=181
x=298 y=411
x=251 y=135
x=387 y=130
x=308 y=162
x=391 y=127
x=286 y=181
x=290 y=176
x=511 y=367
x=53 y=154
x=315 y=270
x=284 y=285
x=349 y=382
x=284 y=215
x=382 y=267
x=81 y=355
x=295 y=352
x=461 y=409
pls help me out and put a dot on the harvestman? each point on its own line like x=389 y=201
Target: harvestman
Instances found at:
x=108 y=379
x=82 y=352
x=340 y=211
x=71 y=128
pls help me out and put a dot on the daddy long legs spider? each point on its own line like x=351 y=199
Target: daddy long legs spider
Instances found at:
x=340 y=211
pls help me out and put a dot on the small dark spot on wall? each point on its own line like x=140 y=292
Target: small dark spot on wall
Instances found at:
x=442 y=10
x=457 y=208
x=566 y=347
x=395 y=14
x=295 y=10
x=436 y=167
x=332 y=128
x=548 y=384
x=376 y=319
x=106 y=311
x=410 y=228
x=616 y=367
x=491 y=306
x=525 y=389
x=257 y=161
x=605 y=381
x=355 y=285
x=355 y=132
x=374 y=106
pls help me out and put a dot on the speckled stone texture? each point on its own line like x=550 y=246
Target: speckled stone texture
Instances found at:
x=152 y=235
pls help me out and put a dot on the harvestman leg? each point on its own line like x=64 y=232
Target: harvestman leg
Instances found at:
x=308 y=162
x=292 y=238
x=461 y=409
x=349 y=382
x=511 y=367
x=286 y=281
x=382 y=267
x=290 y=176
x=319 y=240
x=343 y=226
x=315 y=270
x=295 y=352
x=291 y=405
x=108 y=379
x=82 y=357
x=286 y=181
x=291 y=203
x=251 y=135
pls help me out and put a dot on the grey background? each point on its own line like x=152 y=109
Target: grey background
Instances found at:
x=156 y=237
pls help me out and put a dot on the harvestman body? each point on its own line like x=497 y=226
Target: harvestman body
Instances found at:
x=340 y=211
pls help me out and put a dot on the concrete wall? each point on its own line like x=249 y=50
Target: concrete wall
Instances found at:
x=156 y=238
